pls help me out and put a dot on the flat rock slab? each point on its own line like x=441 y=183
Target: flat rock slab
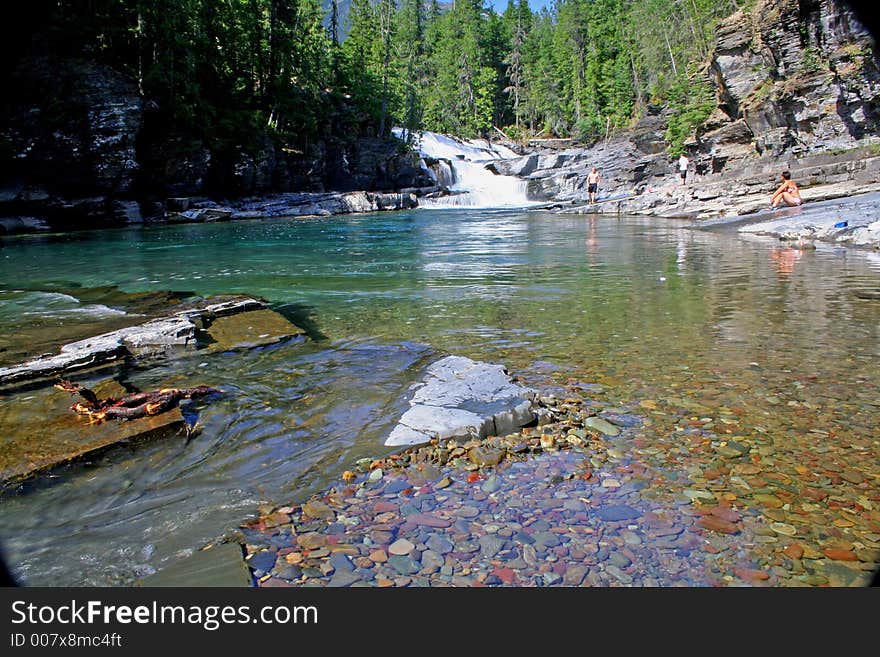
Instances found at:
x=222 y=565
x=184 y=331
x=251 y=329
x=42 y=433
x=461 y=397
x=852 y=221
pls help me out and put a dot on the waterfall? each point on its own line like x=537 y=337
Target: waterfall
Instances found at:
x=441 y=171
x=462 y=169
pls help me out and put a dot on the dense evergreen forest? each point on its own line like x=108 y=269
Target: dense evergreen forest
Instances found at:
x=225 y=70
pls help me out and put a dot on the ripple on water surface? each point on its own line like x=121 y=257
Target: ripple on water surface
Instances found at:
x=724 y=344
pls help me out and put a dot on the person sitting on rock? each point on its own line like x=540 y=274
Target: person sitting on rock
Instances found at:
x=593 y=179
x=787 y=193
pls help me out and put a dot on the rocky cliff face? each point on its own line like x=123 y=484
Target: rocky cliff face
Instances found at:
x=798 y=87
x=184 y=167
x=81 y=148
x=794 y=78
x=69 y=142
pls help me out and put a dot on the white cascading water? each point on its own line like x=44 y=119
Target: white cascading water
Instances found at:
x=471 y=183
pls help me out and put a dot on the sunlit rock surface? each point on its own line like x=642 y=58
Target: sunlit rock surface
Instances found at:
x=221 y=325
x=461 y=397
x=33 y=444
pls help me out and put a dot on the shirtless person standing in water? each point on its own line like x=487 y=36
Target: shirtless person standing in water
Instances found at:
x=593 y=184
x=787 y=192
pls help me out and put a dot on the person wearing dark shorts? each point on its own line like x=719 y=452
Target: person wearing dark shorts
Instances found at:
x=683 y=163
x=593 y=179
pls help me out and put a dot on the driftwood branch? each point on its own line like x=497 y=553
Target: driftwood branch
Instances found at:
x=132 y=406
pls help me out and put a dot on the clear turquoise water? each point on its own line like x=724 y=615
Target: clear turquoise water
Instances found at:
x=645 y=307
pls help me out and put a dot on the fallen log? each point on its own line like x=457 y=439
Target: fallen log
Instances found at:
x=131 y=407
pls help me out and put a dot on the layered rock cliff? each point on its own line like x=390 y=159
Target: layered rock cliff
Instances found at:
x=82 y=148
x=793 y=78
x=69 y=142
x=797 y=85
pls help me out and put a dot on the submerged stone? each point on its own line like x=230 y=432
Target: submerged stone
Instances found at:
x=602 y=426
x=222 y=565
x=617 y=513
x=66 y=436
x=483 y=456
x=404 y=565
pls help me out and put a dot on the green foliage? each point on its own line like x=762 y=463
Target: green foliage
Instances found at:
x=516 y=133
x=762 y=92
x=226 y=71
x=464 y=79
x=691 y=102
x=812 y=61
x=583 y=68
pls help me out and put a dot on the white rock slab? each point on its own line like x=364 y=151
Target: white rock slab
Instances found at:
x=461 y=397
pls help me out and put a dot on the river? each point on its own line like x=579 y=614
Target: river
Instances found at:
x=643 y=308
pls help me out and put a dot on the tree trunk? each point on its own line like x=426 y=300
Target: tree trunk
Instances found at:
x=671 y=57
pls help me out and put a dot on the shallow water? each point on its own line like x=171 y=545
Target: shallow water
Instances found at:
x=705 y=324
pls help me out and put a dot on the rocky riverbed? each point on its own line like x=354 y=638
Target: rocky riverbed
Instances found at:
x=593 y=496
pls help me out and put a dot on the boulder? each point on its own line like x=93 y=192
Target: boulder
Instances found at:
x=461 y=397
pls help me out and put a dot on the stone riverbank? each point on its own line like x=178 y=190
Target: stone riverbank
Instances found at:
x=585 y=498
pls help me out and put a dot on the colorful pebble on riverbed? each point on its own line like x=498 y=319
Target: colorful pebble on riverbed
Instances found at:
x=585 y=499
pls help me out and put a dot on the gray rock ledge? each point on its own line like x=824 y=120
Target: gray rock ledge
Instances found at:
x=462 y=397
x=154 y=338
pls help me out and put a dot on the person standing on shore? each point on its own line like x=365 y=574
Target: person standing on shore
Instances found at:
x=683 y=164
x=593 y=179
x=787 y=193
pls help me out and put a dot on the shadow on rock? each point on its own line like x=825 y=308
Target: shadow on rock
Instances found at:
x=304 y=317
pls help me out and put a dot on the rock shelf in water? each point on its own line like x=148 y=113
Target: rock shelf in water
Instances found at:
x=853 y=222
x=296 y=204
x=205 y=326
x=58 y=436
x=54 y=436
